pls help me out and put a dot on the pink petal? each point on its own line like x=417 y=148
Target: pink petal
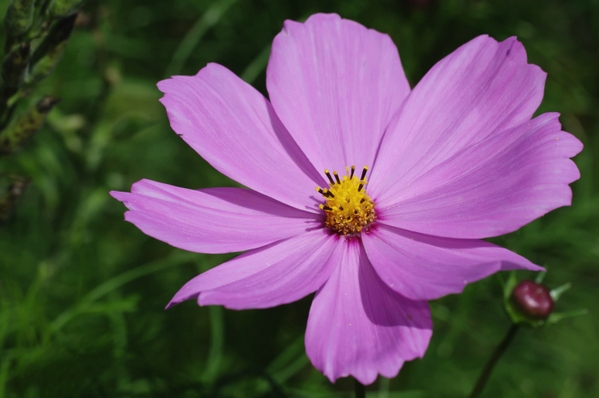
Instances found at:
x=235 y=129
x=335 y=86
x=423 y=267
x=215 y=220
x=358 y=326
x=492 y=187
x=266 y=277
x=481 y=89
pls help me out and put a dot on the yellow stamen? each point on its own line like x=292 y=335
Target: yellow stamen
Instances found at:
x=347 y=207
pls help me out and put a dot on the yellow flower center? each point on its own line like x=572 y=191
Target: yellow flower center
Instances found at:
x=348 y=208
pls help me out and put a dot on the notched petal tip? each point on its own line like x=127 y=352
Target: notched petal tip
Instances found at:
x=214 y=113
x=119 y=195
x=312 y=19
x=570 y=144
x=375 y=333
x=357 y=76
x=510 y=48
x=530 y=171
x=423 y=267
x=172 y=82
x=481 y=89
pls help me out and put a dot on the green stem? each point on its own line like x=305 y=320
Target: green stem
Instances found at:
x=360 y=390
x=488 y=369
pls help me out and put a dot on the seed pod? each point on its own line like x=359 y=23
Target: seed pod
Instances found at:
x=13 y=72
x=63 y=8
x=19 y=17
x=47 y=55
x=27 y=124
x=15 y=64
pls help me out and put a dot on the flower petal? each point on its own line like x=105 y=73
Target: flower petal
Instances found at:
x=423 y=267
x=482 y=88
x=335 y=86
x=266 y=277
x=492 y=187
x=215 y=220
x=235 y=129
x=358 y=326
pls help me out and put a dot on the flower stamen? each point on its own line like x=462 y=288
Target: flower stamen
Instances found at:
x=329 y=176
x=348 y=208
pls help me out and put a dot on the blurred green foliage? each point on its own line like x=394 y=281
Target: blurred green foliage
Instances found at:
x=82 y=292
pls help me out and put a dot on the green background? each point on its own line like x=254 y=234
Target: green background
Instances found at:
x=82 y=292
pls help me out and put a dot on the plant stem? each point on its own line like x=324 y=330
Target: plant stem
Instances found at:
x=360 y=390
x=488 y=369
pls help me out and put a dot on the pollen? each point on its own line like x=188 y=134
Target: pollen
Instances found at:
x=348 y=208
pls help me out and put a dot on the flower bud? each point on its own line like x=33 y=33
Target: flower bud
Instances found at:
x=532 y=300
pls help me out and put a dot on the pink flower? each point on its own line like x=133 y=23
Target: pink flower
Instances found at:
x=457 y=159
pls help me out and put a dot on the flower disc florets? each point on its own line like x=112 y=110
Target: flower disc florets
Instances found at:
x=348 y=207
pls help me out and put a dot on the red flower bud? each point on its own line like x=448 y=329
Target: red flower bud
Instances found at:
x=533 y=300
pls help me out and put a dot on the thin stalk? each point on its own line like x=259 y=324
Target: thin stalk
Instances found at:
x=492 y=361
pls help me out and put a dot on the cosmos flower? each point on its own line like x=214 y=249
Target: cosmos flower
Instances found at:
x=372 y=195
